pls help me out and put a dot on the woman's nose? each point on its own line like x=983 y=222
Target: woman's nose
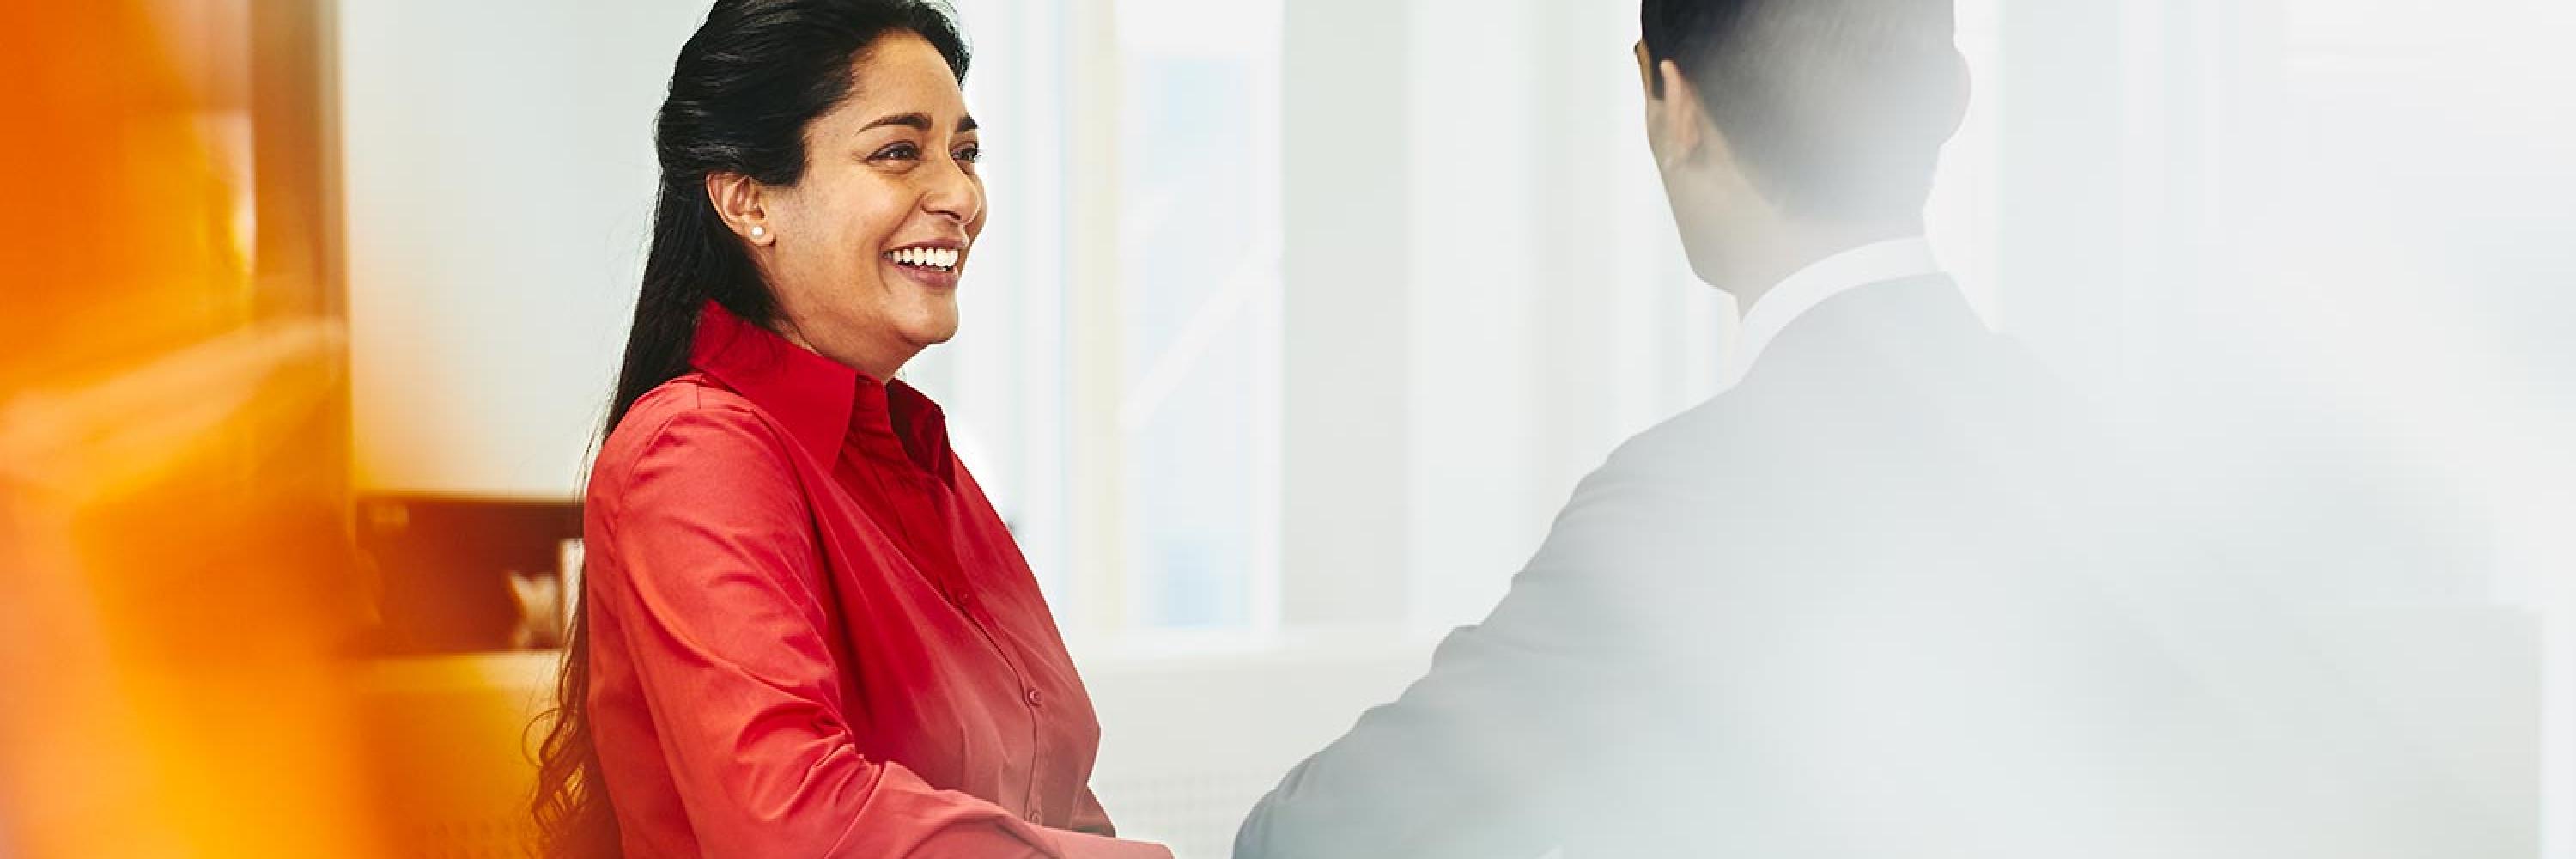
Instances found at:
x=956 y=194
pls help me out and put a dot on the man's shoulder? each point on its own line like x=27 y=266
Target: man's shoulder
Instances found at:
x=1699 y=441
x=1809 y=422
x=1740 y=433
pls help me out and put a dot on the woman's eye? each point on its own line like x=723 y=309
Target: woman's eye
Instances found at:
x=969 y=154
x=902 y=151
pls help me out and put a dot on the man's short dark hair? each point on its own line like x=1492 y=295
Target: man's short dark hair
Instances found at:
x=1836 y=108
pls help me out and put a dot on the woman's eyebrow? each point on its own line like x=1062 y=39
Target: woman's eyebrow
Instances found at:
x=918 y=121
x=915 y=121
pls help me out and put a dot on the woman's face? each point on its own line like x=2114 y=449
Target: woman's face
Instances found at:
x=863 y=253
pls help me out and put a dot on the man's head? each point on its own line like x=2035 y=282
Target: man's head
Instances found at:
x=1770 y=118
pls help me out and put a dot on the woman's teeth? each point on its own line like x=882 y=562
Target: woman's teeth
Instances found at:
x=937 y=259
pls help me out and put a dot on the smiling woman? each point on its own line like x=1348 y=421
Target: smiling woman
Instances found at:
x=864 y=249
x=804 y=630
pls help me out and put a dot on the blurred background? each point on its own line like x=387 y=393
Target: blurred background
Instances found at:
x=1297 y=320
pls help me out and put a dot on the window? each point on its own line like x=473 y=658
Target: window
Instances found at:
x=1118 y=382
x=1118 y=372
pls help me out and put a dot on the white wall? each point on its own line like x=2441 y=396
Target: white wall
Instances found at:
x=1556 y=314
x=499 y=178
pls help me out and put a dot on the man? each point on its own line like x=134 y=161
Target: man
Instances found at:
x=1886 y=595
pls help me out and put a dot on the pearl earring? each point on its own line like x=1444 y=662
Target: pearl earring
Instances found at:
x=757 y=231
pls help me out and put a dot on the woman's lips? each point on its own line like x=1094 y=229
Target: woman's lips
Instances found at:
x=928 y=277
x=933 y=264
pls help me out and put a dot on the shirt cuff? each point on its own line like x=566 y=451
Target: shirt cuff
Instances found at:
x=1084 y=845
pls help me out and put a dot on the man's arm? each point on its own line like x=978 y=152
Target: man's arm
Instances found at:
x=1519 y=715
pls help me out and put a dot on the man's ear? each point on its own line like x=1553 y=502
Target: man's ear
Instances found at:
x=1681 y=120
x=1646 y=73
x=739 y=201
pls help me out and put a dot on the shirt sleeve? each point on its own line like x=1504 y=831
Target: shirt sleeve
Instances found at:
x=714 y=574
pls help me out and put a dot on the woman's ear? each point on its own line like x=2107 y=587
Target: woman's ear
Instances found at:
x=739 y=200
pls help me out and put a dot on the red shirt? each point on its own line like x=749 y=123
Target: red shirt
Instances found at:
x=810 y=633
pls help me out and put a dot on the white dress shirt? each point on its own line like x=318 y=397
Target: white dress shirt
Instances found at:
x=1879 y=262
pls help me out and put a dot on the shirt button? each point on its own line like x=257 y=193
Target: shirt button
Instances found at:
x=1035 y=697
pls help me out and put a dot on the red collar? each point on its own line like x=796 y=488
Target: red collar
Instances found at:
x=818 y=400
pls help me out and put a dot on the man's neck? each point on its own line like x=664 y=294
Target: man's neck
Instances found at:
x=1770 y=259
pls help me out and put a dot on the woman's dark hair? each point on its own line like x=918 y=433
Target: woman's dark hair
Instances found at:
x=742 y=93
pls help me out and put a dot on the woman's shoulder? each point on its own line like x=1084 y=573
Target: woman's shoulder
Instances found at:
x=690 y=422
x=691 y=462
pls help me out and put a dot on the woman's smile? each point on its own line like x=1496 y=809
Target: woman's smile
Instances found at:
x=933 y=264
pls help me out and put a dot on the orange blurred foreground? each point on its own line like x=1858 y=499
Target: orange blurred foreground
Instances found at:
x=173 y=570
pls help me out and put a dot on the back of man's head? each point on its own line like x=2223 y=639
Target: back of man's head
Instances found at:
x=1834 y=109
